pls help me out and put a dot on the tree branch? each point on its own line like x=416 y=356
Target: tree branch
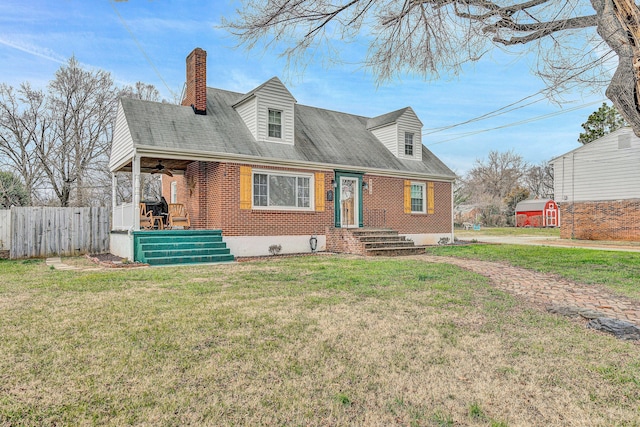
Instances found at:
x=539 y=30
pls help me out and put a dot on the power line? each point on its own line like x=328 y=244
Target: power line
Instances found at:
x=508 y=108
x=521 y=122
x=111 y=2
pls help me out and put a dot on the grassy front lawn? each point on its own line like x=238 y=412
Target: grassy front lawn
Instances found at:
x=299 y=341
x=509 y=231
x=618 y=271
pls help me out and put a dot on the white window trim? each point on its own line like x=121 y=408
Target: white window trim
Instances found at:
x=413 y=144
x=282 y=126
x=424 y=198
x=312 y=199
x=174 y=192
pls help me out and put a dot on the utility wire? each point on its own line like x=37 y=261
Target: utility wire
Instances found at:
x=508 y=108
x=521 y=122
x=124 y=23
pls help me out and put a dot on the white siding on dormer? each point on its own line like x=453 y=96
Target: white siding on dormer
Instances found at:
x=248 y=110
x=409 y=122
x=122 y=143
x=274 y=96
x=601 y=170
x=388 y=135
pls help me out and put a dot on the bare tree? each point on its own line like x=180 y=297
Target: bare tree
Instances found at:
x=24 y=124
x=498 y=175
x=491 y=183
x=141 y=90
x=83 y=107
x=539 y=180
x=573 y=39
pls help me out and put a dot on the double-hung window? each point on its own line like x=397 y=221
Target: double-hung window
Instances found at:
x=408 y=144
x=282 y=191
x=417 y=198
x=275 y=124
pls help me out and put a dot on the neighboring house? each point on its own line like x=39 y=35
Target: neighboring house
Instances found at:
x=598 y=188
x=537 y=213
x=466 y=214
x=268 y=171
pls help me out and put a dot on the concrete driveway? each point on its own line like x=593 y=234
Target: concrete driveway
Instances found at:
x=550 y=241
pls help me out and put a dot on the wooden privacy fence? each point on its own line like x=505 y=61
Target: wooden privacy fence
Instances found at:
x=45 y=231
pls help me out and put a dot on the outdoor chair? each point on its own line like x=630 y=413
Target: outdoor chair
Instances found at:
x=178 y=216
x=146 y=218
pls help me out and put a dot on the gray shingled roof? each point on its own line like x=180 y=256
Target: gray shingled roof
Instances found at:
x=531 y=205
x=321 y=136
x=385 y=119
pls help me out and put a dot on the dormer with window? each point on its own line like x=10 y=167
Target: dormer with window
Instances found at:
x=268 y=112
x=400 y=131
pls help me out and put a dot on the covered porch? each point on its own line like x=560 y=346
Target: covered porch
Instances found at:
x=150 y=219
x=137 y=183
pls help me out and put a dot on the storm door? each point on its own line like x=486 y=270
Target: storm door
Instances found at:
x=349 y=202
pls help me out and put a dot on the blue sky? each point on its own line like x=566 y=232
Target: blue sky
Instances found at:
x=149 y=40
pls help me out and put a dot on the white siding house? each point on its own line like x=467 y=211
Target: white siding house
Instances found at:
x=598 y=188
x=606 y=169
x=121 y=148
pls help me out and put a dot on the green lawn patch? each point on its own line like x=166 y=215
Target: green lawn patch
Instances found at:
x=297 y=341
x=509 y=231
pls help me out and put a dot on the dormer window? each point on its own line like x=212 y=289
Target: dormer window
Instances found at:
x=408 y=144
x=275 y=124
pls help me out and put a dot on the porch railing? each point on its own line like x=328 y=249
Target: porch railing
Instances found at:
x=375 y=218
x=123 y=217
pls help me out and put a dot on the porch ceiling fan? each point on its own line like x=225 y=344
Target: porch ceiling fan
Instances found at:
x=159 y=168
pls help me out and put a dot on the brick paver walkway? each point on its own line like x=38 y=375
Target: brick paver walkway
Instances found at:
x=547 y=289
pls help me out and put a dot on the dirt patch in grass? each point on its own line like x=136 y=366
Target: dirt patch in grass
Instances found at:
x=113 y=261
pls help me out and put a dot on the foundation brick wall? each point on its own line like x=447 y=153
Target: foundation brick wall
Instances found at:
x=340 y=240
x=210 y=192
x=605 y=220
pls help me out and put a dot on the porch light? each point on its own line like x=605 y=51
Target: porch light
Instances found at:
x=365 y=185
x=334 y=184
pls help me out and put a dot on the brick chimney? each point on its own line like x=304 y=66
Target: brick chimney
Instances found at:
x=196 y=91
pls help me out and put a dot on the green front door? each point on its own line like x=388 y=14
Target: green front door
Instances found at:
x=348 y=204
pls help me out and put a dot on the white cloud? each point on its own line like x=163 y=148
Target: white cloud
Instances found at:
x=33 y=50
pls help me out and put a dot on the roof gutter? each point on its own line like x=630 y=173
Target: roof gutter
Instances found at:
x=197 y=155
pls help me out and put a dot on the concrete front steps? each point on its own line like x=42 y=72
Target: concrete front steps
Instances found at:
x=170 y=247
x=385 y=242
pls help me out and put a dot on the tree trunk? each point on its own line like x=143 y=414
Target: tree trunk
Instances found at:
x=621 y=33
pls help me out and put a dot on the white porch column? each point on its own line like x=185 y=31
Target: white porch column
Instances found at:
x=114 y=183
x=135 y=196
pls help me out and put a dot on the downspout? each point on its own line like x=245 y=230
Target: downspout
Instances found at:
x=573 y=195
x=452 y=239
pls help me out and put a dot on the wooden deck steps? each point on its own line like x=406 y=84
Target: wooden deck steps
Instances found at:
x=385 y=242
x=169 y=247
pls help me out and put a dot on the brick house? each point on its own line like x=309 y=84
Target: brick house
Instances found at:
x=266 y=170
x=597 y=187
